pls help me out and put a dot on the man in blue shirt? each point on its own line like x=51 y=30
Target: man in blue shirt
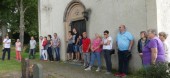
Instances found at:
x=124 y=42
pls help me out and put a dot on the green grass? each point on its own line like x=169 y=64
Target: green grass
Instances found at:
x=12 y=65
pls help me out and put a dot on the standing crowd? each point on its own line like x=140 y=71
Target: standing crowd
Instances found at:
x=91 y=50
x=152 y=49
x=49 y=45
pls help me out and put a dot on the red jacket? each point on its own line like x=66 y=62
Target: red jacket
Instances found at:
x=44 y=43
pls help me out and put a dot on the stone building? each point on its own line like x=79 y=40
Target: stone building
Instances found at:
x=95 y=16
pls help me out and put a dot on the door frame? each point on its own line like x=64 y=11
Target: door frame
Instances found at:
x=73 y=12
x=69 y=14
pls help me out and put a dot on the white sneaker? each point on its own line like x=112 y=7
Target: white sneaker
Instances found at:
x=77 y=60
x=87 y=69
x=98 y=69
x=84 y=64
x=74 y=60
x=108 y=73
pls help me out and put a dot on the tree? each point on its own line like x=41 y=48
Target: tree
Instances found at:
x=5 y=14
x=22 y=7
x=20 y=16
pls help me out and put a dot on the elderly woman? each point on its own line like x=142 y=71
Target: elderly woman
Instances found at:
x=96 y=52
x=153 y=51
x=162 y=37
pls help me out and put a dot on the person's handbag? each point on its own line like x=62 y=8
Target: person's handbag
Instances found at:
x=112 y=51
x=19 y=49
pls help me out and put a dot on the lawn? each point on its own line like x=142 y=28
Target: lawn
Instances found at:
x=12 y=65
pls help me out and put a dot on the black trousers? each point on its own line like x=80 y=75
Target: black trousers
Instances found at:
x=124 y=57
x=32 y=53
x=4 y=52
x=108 y=61
x=50 y=54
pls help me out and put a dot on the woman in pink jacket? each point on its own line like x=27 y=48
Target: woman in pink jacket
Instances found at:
x=18 y=50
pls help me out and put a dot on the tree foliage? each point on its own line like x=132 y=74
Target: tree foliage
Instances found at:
x=10 y=16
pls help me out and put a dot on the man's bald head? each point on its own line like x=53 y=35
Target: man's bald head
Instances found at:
x=122 y=28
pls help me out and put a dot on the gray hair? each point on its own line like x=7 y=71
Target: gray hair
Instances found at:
x=153 y=31
x=163 y=34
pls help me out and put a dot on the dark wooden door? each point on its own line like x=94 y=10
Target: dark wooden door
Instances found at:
x=80 y=25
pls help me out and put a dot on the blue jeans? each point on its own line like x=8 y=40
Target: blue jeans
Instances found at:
x=86 y=58
x=80 y=50
x=57 y=52
x=50 y=54
x=107 y=57
x=95 y=55
x=76 y=48
x=146 y=66
x=41 y=56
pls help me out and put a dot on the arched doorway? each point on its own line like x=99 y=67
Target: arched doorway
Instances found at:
x=74 y=17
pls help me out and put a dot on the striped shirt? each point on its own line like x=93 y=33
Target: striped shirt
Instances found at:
x=123 y=40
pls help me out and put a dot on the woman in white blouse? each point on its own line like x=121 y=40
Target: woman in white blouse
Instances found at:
x=163 y=36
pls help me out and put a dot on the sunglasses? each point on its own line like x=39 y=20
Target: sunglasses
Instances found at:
x=120 y=27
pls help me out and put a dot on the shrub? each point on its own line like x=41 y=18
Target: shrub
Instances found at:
x=160 y=70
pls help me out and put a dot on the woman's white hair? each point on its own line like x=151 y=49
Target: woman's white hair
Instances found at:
x=153 y=31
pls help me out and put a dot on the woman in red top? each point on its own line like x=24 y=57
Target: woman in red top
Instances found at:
x=44 y=53
x=96 y=50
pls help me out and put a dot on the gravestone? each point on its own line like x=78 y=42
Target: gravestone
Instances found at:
x=37 y=71
x=25 y=68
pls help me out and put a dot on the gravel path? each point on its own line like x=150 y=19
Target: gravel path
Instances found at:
x=69 y=70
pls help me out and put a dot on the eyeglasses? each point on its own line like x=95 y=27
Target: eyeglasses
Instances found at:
x=120 y=27
x=105 y=34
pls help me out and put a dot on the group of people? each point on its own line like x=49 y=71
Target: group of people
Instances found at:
x=18 y=48
x=50 y=45
x=90 y=50
x=7 y=48
x=152 y=49
x=80 y=47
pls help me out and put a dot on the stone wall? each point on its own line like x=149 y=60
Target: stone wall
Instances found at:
x=163 y=15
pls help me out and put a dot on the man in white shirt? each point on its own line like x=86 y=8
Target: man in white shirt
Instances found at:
x=32 y=47
x=7 y=45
